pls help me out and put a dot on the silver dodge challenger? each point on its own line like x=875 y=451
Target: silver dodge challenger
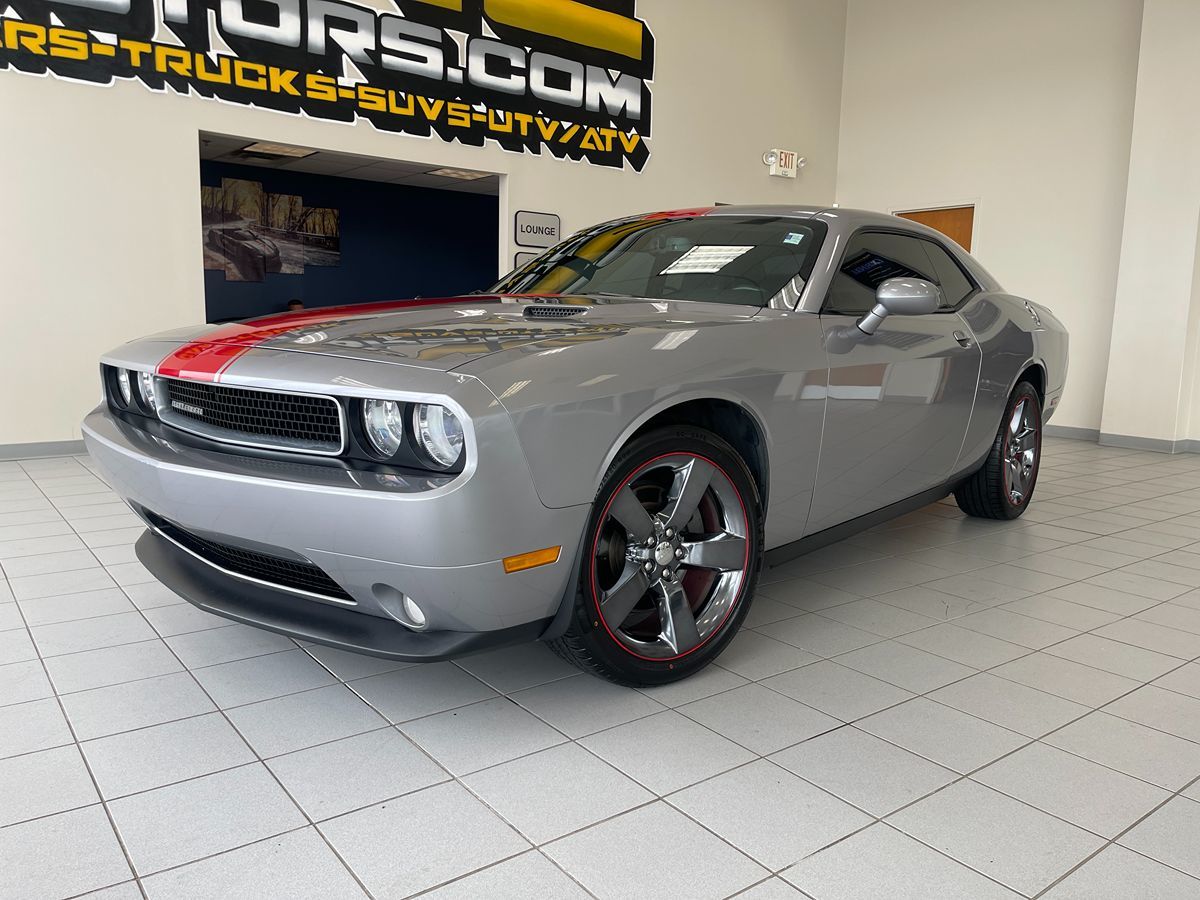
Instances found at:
x=600 y=452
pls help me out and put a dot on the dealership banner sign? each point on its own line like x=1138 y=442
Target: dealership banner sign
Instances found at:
x=567 y=77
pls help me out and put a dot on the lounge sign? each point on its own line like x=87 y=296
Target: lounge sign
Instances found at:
x=568 y=77
x=537 y=229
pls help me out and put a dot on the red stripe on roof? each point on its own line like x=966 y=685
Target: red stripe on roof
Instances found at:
x=681 y=213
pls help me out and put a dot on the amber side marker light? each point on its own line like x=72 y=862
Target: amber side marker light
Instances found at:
x=532 y=560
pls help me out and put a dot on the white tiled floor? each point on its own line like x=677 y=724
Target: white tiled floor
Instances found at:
x=942 y=707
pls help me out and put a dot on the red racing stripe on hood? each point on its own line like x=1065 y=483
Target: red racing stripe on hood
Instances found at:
x=206 y=358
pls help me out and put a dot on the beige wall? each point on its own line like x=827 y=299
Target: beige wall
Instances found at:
x=1156 y=326
x=101 y=196
x=1023 y=108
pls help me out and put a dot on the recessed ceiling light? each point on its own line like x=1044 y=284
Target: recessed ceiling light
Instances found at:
x=264 y=149
x=461 y=174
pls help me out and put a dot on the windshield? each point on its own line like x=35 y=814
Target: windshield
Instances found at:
x=749 y=260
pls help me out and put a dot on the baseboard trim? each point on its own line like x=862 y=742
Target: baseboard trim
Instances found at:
x=1071 y=431
x=41 y=449
x=1158 y=445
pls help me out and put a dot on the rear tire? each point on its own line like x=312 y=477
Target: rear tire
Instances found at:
x=671 y=559
x=1003 y=485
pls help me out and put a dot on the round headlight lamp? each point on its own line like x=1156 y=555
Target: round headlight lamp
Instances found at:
x=146 y=389
x=439 y=434
x=125 y=387
x=384 y=425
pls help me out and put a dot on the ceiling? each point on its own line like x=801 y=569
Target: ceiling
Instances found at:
x=227 y=149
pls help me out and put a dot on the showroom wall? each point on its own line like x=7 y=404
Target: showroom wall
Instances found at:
x=396 y=241
x=101 y=240
x=1153 y=387
x=1023 y=108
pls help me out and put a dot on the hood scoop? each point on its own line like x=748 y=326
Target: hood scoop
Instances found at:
x=544 y=311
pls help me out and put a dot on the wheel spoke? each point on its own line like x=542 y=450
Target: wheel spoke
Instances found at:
x=1015 y=485
x=628 y=510
x=678 y=622
x=725 y=552
x=618 y=603
x=1018 y=441
x=1014 y=423
x=691 y=481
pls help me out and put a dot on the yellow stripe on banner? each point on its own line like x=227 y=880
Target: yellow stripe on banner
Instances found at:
x=571 y=21
x=455 y=5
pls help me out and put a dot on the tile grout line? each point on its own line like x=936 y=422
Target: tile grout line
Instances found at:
x=138 y=875
x=86 y=763
x=453 y=778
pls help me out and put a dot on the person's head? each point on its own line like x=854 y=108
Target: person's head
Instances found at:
x=295 y=303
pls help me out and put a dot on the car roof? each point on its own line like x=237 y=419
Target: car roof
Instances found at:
x=833 y=216
x=856 y=217
x=840 y=219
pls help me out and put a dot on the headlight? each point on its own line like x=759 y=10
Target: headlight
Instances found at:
x=439 y=434
x=125 y=386
x=384 y=425
x=146 y=387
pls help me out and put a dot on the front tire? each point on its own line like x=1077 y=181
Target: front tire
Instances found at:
x=1003 y=486
x=671 y=560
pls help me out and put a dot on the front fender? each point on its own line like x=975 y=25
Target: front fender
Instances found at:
x=575 y=407
x=662 y=404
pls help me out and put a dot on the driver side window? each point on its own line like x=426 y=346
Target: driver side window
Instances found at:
x=870 y=259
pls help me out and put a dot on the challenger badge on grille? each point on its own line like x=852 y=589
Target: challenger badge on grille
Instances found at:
x=187 y=408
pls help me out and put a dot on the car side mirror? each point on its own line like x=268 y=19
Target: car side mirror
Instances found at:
x=901 y=297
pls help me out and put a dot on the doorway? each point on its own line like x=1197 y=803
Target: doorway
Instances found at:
x=955 y=222
x=285 y=226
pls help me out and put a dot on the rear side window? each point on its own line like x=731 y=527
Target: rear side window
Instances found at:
x=954 y=283
x=871 y=258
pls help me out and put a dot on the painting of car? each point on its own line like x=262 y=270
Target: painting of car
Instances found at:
x=252 y=254
x=601 y=452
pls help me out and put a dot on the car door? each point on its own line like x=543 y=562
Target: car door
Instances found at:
x=898 y=401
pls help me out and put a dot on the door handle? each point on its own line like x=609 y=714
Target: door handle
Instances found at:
x=963 y=340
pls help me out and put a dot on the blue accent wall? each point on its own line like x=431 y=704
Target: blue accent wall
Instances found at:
x=397 y=242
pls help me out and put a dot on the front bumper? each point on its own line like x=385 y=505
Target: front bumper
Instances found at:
x=374 y=535
x=216 y=592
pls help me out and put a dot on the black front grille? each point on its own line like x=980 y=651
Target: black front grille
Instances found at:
x=291 y=573
x=288 y=421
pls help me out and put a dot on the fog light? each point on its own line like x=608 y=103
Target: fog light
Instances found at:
x=413 y=612
x=399 y=606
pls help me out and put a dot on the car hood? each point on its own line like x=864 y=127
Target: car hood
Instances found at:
x=447 y=333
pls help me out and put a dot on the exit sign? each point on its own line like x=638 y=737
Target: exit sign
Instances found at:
x=785 y=164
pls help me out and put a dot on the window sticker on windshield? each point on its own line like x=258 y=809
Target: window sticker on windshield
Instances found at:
x=704 y=258
x=792 y=238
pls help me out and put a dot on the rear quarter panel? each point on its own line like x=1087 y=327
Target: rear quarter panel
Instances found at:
x=1011 y=341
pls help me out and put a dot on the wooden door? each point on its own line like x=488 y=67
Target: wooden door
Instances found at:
x=955 y=222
